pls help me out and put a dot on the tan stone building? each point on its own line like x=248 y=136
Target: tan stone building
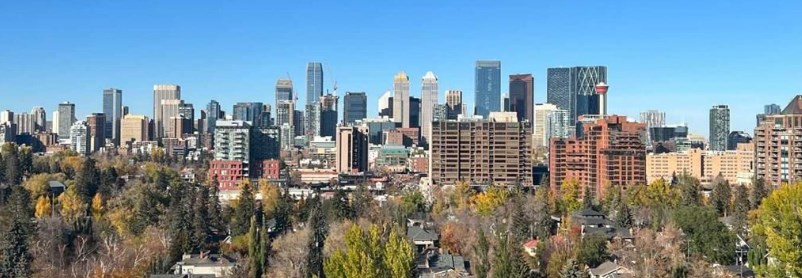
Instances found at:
x=736 y=166
x=134 y=128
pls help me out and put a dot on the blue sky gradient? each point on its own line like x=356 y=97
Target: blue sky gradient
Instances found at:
x=680 y=57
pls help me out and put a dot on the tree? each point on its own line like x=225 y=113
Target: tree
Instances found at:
x=486 y=202
x=740 y=210
x=244 y=210
x=572 y=270
x=413 y=202
x=690 y=189
x=87 y=180
x=201 y=229
x=213 y=206
x=520 y=224
x=43 y=207
x=282 y=214
x=25 y=158
x=15 y=254
x=507 y=261
x=10 y=156
x=481 y=255
x=779 y=223
x=258 y=247
x=98 y=206
x=399 y=257
x=362 y=256
x=706 y=235
x=593 y=250
x=721 y=196
x=362 y=200
x=317 y=238
x=341 y=208
x=623 y=218
x=587 y=198
x=757 y=193
x=270 y=196
x=569 y=196
x=73 y=206
x=542 y=218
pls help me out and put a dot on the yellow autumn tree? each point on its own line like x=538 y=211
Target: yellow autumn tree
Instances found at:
x=72 y=205
x=270 y=195
x=486 y=202
x=570 y=195
x=43 y=207
x=462 y=194
x=38 y=185
x=779 y=223
x=98 y=206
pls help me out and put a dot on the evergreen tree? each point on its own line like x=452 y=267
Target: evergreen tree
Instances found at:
x=757 y=193
x=482 y=250
x=282 y=214
x=341 y=207
x=317 y=238
x=362 y=200
x=16 y=259
x=201 y=234
x=180 y=221
x=244 y=211
x=214 y=208
x=108 y=181
x=721 y=195
x=2 y=168
x=572 y=270
x=593 y=250
x=689 y=191
x=87 y=180
x=740 y=210
x=13 y=176
x=258 y=247
x=507 y=261
x=26 y=161
x=623 y=218
x=521 y=228
x=542 y=222
x=587 y=199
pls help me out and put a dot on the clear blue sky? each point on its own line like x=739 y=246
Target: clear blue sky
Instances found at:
x=677 y=56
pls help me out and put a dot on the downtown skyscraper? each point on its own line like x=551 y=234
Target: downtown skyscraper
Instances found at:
x=161 y=93
x=113 y=110
x=284 y=90
x=487 y=90
x=213 y=113
x=65 y=117
x=355 y=107
x=429 y=99
x=574 y=89
x=719 y=127
x=522 y=94
x=401 y=99
x=314 y=82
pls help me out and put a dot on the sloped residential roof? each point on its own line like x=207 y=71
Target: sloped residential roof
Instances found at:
x=416 y=233
x=604 y=269
x=794 y=107
x=531 y=244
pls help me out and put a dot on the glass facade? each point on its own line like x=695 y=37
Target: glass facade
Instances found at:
x=356 y=107
x=112 y=108
x=314 y=82
x=487 y=92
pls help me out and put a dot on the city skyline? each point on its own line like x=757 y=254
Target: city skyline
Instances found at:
x=710 y=74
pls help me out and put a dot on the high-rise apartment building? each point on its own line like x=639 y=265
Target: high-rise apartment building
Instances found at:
x=40 y=119
x=213 y=113
x=778 y=145
x=25 y=123
x=428 y=97
x=284 y=90
x=161 y=93
x=134 y=128
x=113 y=110
x=559 y=124
x=96 y=130
x=401 y=99
x=170 y=109
x=79 y=137
x=540 y=129
x=355 y=107
x=6 y=116
x=652 y=118
x=736 y=166
x=492 y=151
x=285 y=112
x=522 y=96
x=314 y=82
x=487 y=90
x=328 y=115
x=311 y=122
x=610 y=152
x=66 y=117
x=454 y=104
x=574 y=89
x=352 y=149
x=719 y=127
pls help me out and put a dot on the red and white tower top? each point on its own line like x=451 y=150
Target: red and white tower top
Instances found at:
x=601 y=88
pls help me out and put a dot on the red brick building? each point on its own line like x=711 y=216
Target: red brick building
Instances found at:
x=269 y=169
x=419 y=164
x=228 y=173
x=610 y=151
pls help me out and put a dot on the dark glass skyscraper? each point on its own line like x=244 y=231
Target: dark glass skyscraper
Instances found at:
x=355 y=106
x=112 y=108
x=314 y=82
x=574 y=89
x=249 y=111
x=212 y=115
x=522 y=94
x=719 y=127
x=487 y=91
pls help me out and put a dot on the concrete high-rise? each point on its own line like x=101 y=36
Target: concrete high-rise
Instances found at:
x=610 y=152
x=454 y=104
x=96 y=129
x=170 y=109
x=328 y=115
x=352 y=149
x=428 y=97
x=574 y=89
x=495 y=151
x=6 y=116
x=355 y=107
x=540 y=128
x=560 y=124
x=401 y=99
x=284 y=90
x=777 y=146
x=160 y=93
x=134 y=128
x=311 y=122
x=719 y=127
x=522 y=94
x=736 y=166
x=386 y=104
x=314 y=82
x=113 y=110
x=40 y=119
x=487 y=91
x=66 y=117
x=79 y=137
x=285 y=112
x=213 y=113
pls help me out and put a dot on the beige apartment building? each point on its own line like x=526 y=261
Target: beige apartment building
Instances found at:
x=736 y=166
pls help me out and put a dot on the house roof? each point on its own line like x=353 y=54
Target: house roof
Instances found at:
x=794 y=107
x=590 y=213
x=210 y=259
x=604 y=268
x=416 y=233
x=55 y=184
x=531 y=244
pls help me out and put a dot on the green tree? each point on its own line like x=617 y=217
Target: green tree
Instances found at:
x=587 y=198
x=87 y=179
x=413 y=202
x=201 y=231
x=25 y=161
x=399 y=257
x=258 y=247
x=180 y=221
x=706 y=235
x=361 y=201
x=282 y=214
x=757 y=193
x=508 y=260
x=593 y=250
x=108 y=181
x=16 y=259
x=721 y=195
x=481 y=251
x=572 y=270
x=623 y=217
x=341 y=208
x=779 y=222
x=690 y=190
x=10 y=156
x=244 y=211
x=214 y=208
x=362 y=256
x=542 y=217
x=740 y=210
x=521 y=227
x=320 y=230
